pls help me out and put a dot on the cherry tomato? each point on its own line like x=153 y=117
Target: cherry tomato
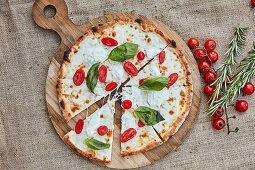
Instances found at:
x=212 y=56
x=140 y=123
x=193 y=43
x=161 y=57
x=228 y=81
x=248 y=88
x=127 y=104
x=102 y=130
x=210 y=77
x=127 y=135
x=142 y=80
x=241 y=106
x=78 y=77
x=218 y=113
x=253 y=2
x=210 y=45
x=209 y=90
x=79 y=126
x=204 y=66
x=102 y=73
x=111 y=86
x=130 y=69
x=210 y=101
x=199 y=54
x=218 y=124
x=109 y=42
x=141 y=55
x=173 y=78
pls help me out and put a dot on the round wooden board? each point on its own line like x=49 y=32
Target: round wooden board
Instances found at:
x=69 y=33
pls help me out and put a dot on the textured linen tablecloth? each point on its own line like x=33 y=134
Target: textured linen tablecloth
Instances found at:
x=29 y=141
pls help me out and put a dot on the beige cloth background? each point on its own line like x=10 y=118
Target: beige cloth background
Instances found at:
x=27 y=137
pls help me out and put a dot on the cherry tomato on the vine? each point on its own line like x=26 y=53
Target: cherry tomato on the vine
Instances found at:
x=204 y=66
x=253 y=2
x=210 y=101
x=209 y=90
x=248 y=88
x=218 y=113
x=212 y=56
x=210 y=77
x=210 y=45
x=241 y=106
x=193 y=43
x=199 y=54
x=218 y=124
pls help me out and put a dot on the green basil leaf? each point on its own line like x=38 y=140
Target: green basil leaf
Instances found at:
x=92 y=77
x=154 y=84
x=95 y=144
x=148 y=116
x=123 y=52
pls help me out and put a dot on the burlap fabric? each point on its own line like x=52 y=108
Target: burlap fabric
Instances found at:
x=27 y=137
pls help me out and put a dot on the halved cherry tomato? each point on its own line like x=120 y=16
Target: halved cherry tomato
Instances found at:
x=173 y=78
x=78 y=77
x=141 y=55
x=140 y=123
x=102 y=73
x=142 y=80
x=218 y=124
x=127 y=135
x=109 y=42
x=161 y=57
x=193 y=43
x=130 y=69
x=79 y=126
x=210 y=45
x=102 y=130
x=111 y=86
x=127 y=104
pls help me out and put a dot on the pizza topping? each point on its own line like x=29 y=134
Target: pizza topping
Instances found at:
x=92 y=77
x=111 y=86
x=96 y=144
x=142 y=80
x=161 y=57
x=141 y=55
x=154 y=84
x=109 y=42
x=102 y=73
x=78 y=77
x=173 y=78
x=127 y=135
x=102 y=130
x=148 y=116
x=127 y=104
x=79 y=126
x=140 y=123
x=130 y=69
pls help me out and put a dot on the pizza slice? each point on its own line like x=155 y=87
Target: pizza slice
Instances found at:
x=93 y=137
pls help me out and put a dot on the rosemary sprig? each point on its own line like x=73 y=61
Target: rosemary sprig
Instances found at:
x=235 y=47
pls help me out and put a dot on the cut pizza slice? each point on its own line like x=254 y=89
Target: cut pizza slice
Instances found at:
x=93 y=137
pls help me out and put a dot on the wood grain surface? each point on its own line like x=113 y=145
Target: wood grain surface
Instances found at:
x=69 y=33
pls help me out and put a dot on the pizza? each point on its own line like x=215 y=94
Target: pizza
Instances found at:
x=137 y=65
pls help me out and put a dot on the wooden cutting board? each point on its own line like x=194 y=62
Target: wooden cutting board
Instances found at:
x=69 y=33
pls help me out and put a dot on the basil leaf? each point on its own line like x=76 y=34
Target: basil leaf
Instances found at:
x=154 y=84
x=92 y=77
x=148 y=116
x=123 y=52
x=95 y=144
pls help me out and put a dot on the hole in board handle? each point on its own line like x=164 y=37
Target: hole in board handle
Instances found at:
x=49 y=11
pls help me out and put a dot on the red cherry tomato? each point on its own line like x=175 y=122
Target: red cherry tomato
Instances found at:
x=79 y=126
x=218 y=124
x=173 y=78
x=204 y=66
x=140 y=123
x=212 y=56
x=210 y=77
x=102 y=130
x=161 y=57
x=109 y=42
x=78 y=77
x=253 y=2
x=241 y=106
x=142 y=80
x=248 y=88
x=130 y=69
x=111 y=86
x=199 y=54
x=193 y=43
x=210 y=101
x=218 y=113
x=210 y=45
x=141 y=55
x=127 y=135
x=102 y=73
x=209 y=90
x=127 y=104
